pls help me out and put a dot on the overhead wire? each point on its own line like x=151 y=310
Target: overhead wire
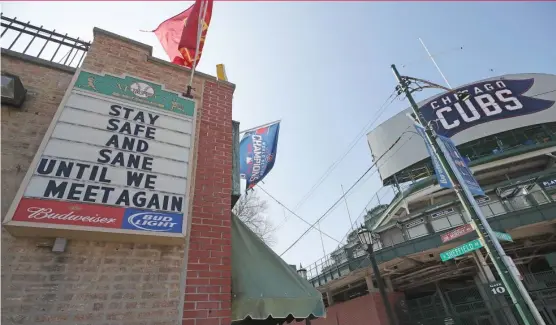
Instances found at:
x=354 y=142
x=375 y=194
x=342 y=196
x=295 y=214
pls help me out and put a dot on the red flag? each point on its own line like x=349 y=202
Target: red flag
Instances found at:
x=178 y=35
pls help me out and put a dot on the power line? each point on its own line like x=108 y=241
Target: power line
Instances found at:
x=376 y=193
x=335 y=164
x=341 y=197
x=331 y=168
x=285 y=207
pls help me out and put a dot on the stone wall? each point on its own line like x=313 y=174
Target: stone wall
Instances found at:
x=114 y=283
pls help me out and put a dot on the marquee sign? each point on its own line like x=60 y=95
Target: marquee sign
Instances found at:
x=115 y=159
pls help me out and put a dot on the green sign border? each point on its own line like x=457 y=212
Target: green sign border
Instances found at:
x=120 y=87
x=460 y=250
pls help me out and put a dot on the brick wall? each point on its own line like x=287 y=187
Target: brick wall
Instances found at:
x=364 y=310
x=110 y=283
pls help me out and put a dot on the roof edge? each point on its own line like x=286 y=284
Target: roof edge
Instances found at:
x=151 y=58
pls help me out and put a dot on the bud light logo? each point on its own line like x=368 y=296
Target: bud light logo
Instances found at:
x=488 y=101
x=153 y=221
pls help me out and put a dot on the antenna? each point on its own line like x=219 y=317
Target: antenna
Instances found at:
x=435 y=64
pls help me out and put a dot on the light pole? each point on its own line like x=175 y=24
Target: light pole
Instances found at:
x=366 y=238
x=302 y=272
x=525 y=306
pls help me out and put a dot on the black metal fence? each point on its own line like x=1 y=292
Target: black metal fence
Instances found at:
x=468 y=306
x=41 y=43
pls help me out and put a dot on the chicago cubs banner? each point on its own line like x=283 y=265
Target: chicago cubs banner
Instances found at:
x=257 y=150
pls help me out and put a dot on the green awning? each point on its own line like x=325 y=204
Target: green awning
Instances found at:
x=264 y=286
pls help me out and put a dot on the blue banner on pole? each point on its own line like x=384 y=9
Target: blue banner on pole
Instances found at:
x=453 y=154
x=257 y=150
x=441 y=175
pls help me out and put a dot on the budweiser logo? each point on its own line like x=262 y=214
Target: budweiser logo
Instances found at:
x=38 y=213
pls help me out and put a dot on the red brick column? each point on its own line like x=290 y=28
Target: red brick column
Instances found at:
x=208 y=281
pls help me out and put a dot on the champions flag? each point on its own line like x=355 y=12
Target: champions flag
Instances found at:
x=257 y=152
x=178 y=35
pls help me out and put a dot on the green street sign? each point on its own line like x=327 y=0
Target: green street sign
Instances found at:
x=461 y=250
x=503 y=236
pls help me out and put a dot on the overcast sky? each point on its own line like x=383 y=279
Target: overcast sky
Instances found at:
x=324 y=69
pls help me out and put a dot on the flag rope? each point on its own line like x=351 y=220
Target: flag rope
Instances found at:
x=202 y=14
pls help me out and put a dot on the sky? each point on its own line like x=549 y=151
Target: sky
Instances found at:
x=323 y=68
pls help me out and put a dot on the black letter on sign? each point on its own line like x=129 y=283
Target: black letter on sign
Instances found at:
x=115 y=110
x=113 y=141
x=147 y=164
x=149 y=181
x=149 y=133
x=112 y=124
x=90 y=196
x=134 y=178
x=142 y=146
x=104 y=156
x=64 y=168
x=53 y=190
x=75 y=191
x=177 y=203
x=45 y=170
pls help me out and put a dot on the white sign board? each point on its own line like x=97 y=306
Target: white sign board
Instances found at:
x=116 y=158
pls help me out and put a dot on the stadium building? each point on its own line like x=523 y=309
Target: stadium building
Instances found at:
x=506 y=131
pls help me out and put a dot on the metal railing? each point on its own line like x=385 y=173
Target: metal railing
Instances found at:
x=41 y=43
x=348 y=258
x=339 y=256
x=467 y=305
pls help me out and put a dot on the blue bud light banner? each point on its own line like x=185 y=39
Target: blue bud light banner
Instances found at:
x=441 y=175
x=257 y=151
x=452 y=155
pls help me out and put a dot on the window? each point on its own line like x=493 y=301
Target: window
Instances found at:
x=445 y=219
x=519 y=202
x=392 y=237
x=537 y=195
x=497 y=208
x=417 y=228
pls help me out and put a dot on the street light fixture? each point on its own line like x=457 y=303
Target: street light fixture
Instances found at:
x=366 y=237
x=13 y=92
x=302 y=272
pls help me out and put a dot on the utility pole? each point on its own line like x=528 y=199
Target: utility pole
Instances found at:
x=517 y=291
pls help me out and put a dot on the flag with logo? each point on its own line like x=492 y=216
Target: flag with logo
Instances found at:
x=257 y=151
x=459 y=165
x=179 y=35
x=441 y=175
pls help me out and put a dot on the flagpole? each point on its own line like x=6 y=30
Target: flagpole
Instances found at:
x=202 y=13
x=260 y=126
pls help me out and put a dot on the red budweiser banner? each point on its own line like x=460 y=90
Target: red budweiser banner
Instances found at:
x=68 y=213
